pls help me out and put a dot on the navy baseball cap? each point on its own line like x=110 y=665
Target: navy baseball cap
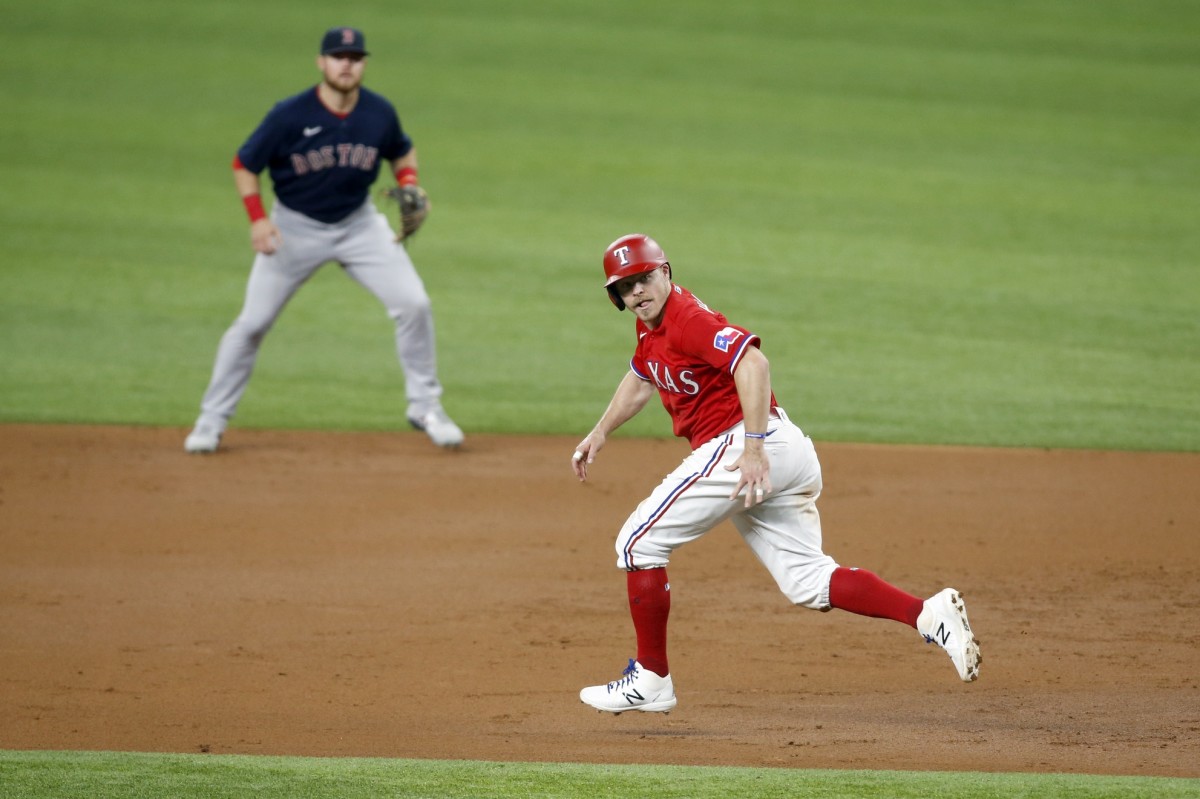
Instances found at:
x=344 y=40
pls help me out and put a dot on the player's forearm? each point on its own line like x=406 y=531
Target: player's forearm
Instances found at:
x=753 y=380
x=405 y=165
x=247 y=182
x=248 y=188
x=631 y=396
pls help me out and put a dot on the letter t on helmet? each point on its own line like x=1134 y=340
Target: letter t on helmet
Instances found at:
x=630 y=255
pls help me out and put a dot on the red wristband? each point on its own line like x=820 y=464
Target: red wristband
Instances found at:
x=406 y=175
x=254 y=207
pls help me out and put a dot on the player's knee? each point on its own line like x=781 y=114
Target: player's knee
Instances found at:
x=410 y=308
x=251 y=330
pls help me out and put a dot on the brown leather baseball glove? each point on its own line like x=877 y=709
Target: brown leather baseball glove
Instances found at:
x=414 y=207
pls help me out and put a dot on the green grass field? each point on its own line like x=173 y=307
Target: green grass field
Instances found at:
x=38 y=775
x=969 y=223
x=956 y=223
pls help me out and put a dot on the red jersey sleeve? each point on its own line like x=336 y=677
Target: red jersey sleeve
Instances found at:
x=711 y=338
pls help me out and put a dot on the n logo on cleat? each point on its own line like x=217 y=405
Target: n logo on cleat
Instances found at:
x=942 y=634
x=632 y=695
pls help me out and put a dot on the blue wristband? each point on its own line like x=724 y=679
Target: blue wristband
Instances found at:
x=756 y=435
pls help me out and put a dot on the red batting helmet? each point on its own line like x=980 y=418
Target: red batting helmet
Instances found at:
x=630 y=255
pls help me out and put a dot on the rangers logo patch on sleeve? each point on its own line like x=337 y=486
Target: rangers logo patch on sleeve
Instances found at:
x=725 y=338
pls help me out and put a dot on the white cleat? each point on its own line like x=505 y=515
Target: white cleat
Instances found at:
x=638 y=689
x=943 y=621
x=440 y=428
x=203 y=440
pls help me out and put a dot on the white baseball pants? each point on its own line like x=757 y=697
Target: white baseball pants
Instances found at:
x=784 y=531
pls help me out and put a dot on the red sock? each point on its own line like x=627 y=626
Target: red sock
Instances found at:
x=650 y=604
x=859 y=591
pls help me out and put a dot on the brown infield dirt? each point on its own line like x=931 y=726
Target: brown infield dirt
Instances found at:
x=330 y=594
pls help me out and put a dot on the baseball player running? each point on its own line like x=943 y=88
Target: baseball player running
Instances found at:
x=749 y=463
x=323 y=148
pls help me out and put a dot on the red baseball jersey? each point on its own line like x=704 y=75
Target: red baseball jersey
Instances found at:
x=690 y=357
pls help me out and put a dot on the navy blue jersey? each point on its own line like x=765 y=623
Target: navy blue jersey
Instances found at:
x=323 y=165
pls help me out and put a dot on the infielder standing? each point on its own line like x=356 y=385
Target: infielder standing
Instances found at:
x=749 y=463
x=323 y=148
